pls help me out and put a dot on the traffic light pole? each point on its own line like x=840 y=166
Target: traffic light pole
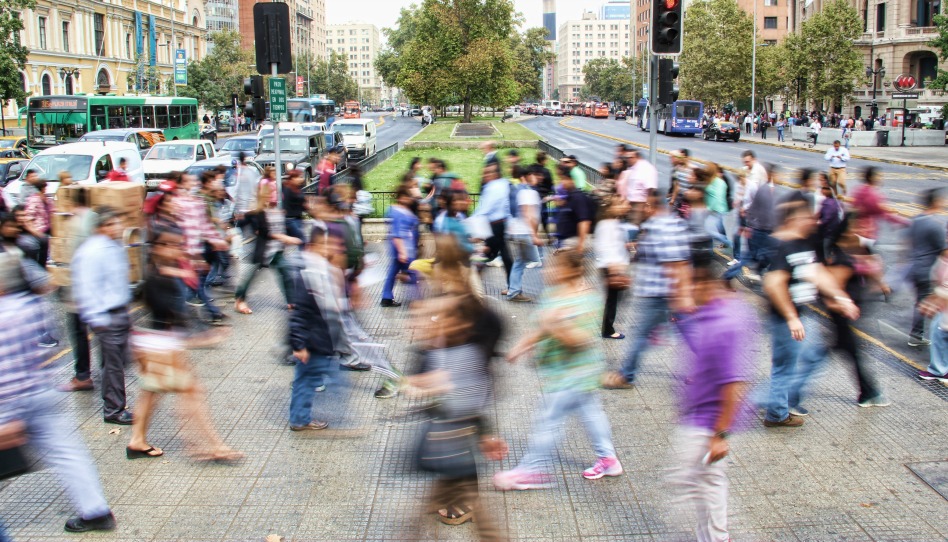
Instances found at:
x=652 y=114
x=276 y=147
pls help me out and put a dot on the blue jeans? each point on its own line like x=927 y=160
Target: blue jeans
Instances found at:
x=201 y=293
x=779 y=134
x=714 y=225
x=294 y=228
x=787 y=377
x=812 y=357
x=308 y=376
x=394 y=268
x=939 y=349
x=51 y=432
x=524 y=252
x=654 y=312
x=549 y=427
x=759 y=247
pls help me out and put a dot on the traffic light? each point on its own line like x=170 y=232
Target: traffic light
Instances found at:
x=253 y=86
x=667 y=81
x=259 y=110
x=666 y=27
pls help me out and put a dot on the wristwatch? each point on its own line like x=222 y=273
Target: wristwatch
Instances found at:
x=723 y=434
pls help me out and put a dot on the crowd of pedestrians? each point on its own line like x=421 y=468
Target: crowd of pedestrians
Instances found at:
x=670 y=249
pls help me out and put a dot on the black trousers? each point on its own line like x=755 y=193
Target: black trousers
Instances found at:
x=79 y=333
x=113 y=344
x=923 y=289
x=846 y=341
x=498 y=245
x=612 y=304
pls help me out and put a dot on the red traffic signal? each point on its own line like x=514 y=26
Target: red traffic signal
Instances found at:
x=666 y=27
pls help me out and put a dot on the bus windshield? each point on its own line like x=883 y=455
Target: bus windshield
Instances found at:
x=287 y=144
x=686 y=110
x=52 y=127
x=50 y=165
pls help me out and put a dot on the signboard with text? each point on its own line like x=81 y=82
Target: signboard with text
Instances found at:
x=277 y=99
x=299 y=85
x=181 y=68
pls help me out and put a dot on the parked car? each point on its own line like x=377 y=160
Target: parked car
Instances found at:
x=11 y=169
x=230 y=177
x=176 y=155
x=143 y=138
x=414 y=112
x=298 y=150
x=13 y=142
x=209 y=132
x=239 y=144
x=620 y=114
x=336 y=139
x=722 y=130
x=87 y=162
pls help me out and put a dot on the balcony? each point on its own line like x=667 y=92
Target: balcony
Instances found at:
x=916 y=31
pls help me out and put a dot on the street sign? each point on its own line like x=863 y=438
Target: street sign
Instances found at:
x=181 y=68
x=905 y=82
x=905 y=96
x=299 y=85
x=277 y=99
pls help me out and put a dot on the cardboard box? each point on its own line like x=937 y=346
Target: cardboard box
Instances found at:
x=59 y=249
x=59 y=275
x=60 y=224
x=123 y=196
x=67 y=196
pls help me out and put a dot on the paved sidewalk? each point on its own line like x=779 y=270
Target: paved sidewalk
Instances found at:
x=842 y=476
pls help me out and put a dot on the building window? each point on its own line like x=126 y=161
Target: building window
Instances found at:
x=99 y=25
x=770 y=42
x=770 y=22
x=66 y=36
x=770 y=2
x=47 y=85
x=42 y=32
x=880 y=17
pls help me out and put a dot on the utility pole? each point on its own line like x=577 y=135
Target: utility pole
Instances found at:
x=174 y=54
x=652 y=114
x=632 y=27
x=754 y=64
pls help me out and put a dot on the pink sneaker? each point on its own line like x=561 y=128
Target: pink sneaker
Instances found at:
x=605 y=466
x=520 y=479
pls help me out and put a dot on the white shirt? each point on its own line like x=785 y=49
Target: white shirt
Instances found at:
x=635 y=182
x=528 y=206
x=816 y=127
x=837 y=157
x=610 y=243
x=756 y=177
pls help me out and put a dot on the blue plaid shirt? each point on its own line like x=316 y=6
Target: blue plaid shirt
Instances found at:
x=21 y=359
x=664 y=239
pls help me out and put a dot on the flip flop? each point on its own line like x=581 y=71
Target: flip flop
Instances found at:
x=227 y=456
x=140 y=454
x=456 y=515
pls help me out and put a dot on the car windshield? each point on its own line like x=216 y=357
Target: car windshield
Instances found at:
x=349 y=129
x=6 y=143
x=171 y=152
x=100 y=137
x=240 y=145
x=727 y=126
x=49 y=166
x=287 y=144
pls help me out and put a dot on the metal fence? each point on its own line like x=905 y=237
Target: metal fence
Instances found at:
x=367 y=165
x=592 y=173
x=381 y=201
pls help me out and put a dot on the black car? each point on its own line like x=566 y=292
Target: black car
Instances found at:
x=722 y=130
x=209 y=132
x=620 y=114
x=298 y=150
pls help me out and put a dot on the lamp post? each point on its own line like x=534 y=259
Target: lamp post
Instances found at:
x=875 y=75
x=68 y=72
x=754 y=64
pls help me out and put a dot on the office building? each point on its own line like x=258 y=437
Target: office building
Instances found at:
x=549 y=71
x=359 y=43
x=583 y=40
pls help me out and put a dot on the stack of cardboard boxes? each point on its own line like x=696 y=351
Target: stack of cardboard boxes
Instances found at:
x=126 y=197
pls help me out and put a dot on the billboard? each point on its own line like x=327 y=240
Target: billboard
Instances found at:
x=612 y=12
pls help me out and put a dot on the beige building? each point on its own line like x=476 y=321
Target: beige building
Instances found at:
x=307 y=25
x=894 y=39
x=360 y=44
x=90 y=46
x=579 y=41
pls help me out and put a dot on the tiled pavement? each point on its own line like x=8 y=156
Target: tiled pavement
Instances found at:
x=842 y=476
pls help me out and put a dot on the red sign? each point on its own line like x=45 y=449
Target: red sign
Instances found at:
x=299 y=85
x=905 y=82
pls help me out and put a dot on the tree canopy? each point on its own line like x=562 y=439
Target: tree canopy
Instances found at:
x=716 y=52
x=941 y=44
x=221 y=73
x=12 y=52
x=611 y=80
x=327 y=77
x=826 y=55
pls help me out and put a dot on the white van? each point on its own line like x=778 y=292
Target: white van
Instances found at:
x=359 y=135
x=88 y=163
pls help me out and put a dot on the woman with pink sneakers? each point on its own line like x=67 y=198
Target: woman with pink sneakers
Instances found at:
x=570 y=361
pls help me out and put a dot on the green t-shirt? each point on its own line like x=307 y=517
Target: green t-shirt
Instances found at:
x=579 y=178
x=559 y=367
x=715 y=196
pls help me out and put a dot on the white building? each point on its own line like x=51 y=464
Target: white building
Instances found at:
x=360 y=44
x=579 y=41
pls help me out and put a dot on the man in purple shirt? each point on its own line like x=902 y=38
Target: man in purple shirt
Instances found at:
x=717 y=334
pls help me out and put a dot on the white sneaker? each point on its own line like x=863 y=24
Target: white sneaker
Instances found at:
x=753 y=277
x=496 y=262
x=534 y=265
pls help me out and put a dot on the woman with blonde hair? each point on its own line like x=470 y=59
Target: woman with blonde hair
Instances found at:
x=612 y=258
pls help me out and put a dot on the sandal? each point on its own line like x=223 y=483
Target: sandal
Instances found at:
x=242 y=308
x=615 y=381
x=456 y=515
x=140 y=454
x=222 y=455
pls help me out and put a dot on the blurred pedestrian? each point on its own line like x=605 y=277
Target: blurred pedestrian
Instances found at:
x=612 y=258
x=494 y=205
x=570 y=360
x=403 y=247
x=521 y=232
x=80 y=227
x=926 y=237
x=870 y=206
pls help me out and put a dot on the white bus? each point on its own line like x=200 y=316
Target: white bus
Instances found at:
x=552 y=104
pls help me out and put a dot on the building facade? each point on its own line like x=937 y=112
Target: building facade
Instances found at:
x=108 y=46
x=549 y=71
x=307 y=25
x=583 y=40
x=359 y=44
x=221 y=15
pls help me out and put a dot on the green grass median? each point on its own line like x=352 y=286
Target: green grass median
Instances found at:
x=443 y=127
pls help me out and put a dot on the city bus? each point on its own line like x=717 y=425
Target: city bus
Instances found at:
x=53 y=120
x=681 y=117
x=313 y=109
x=351 y=110
x=600 y=110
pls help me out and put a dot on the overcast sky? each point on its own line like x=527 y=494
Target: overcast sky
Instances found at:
x=384 y=13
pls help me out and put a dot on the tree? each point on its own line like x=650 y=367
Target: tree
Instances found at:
x=221 y=73
x=531 y=52
x=12 y=53
x=459 y=52
x=332 y=79
x=611 y=80
x=388 y=61
x=716 y=52
x=772 y=71
x=831 y=63
x=941 y=44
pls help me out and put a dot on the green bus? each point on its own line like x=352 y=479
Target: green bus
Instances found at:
x=53 y=120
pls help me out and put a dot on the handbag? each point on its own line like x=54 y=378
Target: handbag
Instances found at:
x=448 y=447
x=618 y=278
x=163 y=362
x=13 y=462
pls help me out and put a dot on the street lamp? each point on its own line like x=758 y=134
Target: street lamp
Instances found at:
x=70 y=73
x=875 y=75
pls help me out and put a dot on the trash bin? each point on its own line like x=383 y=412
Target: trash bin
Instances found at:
x=882 y=138
x=938 y=124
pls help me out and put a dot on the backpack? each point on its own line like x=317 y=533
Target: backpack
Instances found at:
x=729 y=194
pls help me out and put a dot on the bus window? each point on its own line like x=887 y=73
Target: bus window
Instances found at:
x=98 y=117
x=175 y=116
x=148 y=116
x=116 y=116
x=687 y=110
x=161 y=116
x=194 y=114
x=134 y=116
